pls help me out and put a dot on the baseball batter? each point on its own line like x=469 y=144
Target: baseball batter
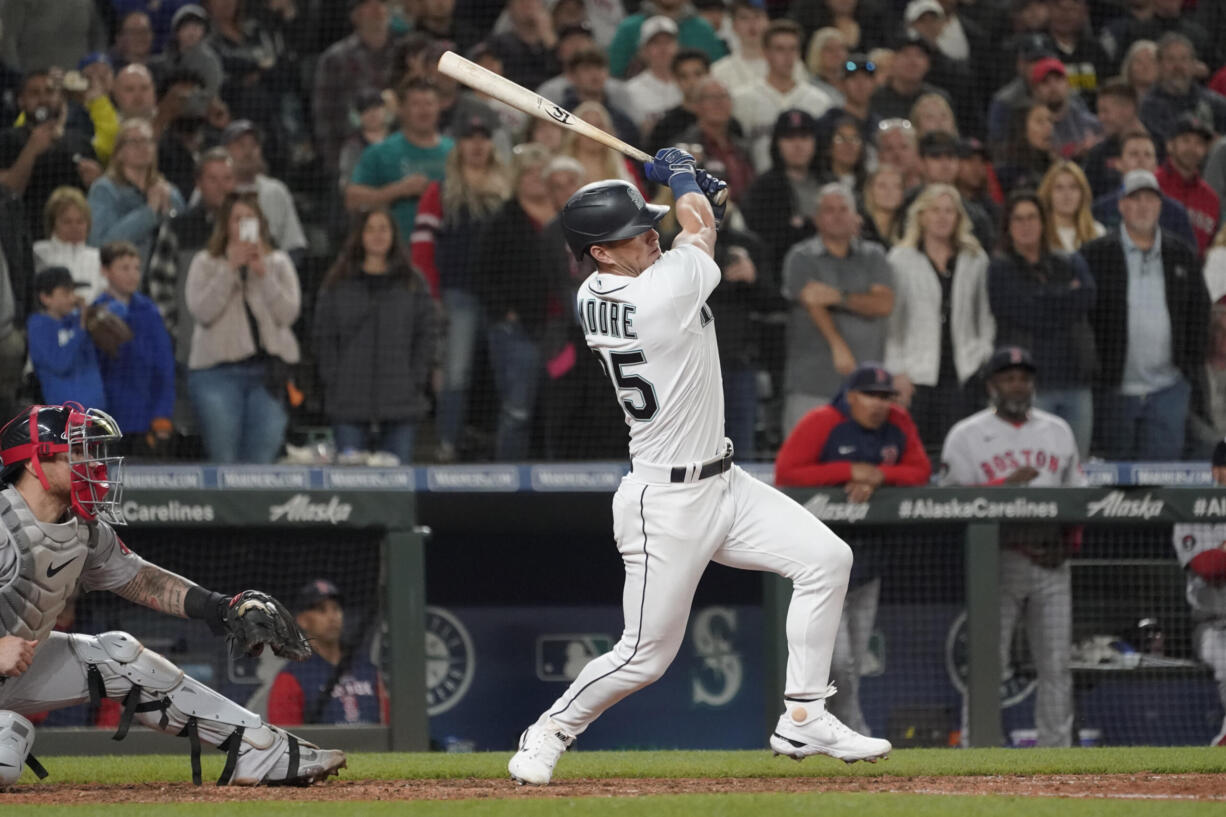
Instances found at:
x=1012 y=443
x=60 y=496
x=1201 y=550
x=684 y=503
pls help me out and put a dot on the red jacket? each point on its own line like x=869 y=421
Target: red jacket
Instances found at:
x=1198 y=197
x=813 y=454
x=421 y=243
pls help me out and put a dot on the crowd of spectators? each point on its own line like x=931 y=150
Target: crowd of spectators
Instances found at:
x=331 y=235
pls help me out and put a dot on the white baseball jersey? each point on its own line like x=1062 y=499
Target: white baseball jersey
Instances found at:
x=1191 y=540
x=984 y=449
x=655 y=337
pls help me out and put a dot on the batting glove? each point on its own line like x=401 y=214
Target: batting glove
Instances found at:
x=716 y=191
x=667 y=163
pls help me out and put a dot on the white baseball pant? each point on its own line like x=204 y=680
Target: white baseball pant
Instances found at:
x=1210 y=640
x=1045 y=595
x=850 y=652
x=667 y=533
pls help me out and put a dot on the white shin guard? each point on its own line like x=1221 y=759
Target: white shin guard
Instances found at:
x=162 y=697
x=16 y=743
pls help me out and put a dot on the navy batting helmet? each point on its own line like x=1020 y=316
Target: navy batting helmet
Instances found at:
x=607 y=211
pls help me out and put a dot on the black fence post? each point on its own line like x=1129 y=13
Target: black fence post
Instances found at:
x=406 y=625
x=983 y=634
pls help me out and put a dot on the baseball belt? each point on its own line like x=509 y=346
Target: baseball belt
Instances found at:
x=694 y=472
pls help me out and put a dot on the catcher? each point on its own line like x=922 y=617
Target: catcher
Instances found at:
x=59 y=499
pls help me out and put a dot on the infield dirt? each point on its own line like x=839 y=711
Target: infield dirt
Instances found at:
x=1119 y=786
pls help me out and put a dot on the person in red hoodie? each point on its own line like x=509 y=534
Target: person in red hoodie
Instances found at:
x=1180 y=177
x=861 y=440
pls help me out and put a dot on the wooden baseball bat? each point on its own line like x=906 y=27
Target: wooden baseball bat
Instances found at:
x=520 y=98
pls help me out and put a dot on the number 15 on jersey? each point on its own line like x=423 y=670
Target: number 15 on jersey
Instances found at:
x=638 y=396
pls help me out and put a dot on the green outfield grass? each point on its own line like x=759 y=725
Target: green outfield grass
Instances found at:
x=728 y=805
x=907 y=762
x=491 y=765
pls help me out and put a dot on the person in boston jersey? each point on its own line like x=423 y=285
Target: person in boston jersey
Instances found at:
x=1201 y=550
x=684 y=503
x=861 y=441
x=1012 y=443
x=336 y=684
x=59 y=498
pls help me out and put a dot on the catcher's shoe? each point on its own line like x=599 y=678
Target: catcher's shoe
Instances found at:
x=288 y=761
x=540 y=746
x=801 y=732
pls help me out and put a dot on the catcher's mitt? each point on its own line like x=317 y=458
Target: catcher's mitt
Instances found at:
x=253 y=619
x=108 y=330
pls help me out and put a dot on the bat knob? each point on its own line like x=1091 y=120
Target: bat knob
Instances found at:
x=720 y=198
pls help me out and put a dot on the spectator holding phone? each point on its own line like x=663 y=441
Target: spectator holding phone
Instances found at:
x=132 y=198
x=244 y=297
x=41 y=155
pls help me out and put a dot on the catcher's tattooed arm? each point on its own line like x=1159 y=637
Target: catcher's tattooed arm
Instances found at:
x=249 y=620
x=158 y=589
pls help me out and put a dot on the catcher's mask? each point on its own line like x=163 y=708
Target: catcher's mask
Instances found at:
x=83 y=434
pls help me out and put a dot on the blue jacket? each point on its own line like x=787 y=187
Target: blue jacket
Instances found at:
x=140 y=380
x=65 y=360
x=121 y=213
x=355 y=698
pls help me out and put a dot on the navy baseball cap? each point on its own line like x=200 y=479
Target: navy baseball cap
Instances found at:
x=1189 y=122
x=795 y=122
x=238 y=129
x=1010 y=357
x=871 y=378
x=49 y=279
x=315 y=592
x=859 y=62
x=938 y=143
x=1036 y=46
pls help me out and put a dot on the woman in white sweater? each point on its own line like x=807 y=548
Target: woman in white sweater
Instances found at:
x=941 y=330
x=68 y=222
x=245 y=298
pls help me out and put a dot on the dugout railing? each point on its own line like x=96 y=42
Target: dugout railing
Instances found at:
x=480 y=515
x=1112 y=512
x=219 y=505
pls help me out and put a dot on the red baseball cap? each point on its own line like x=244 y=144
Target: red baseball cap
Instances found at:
x=1045 y=67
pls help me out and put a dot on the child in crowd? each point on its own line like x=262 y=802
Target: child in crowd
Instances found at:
x=64 y=356
x=139 y=373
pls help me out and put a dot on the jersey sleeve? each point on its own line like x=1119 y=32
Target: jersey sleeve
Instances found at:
x=957 y=462
x=368 y=170
x=1074 y=476
x=914 y=467
x=285 y=700
x=1193 y=539
x=110 y=564
x=799 y=460
x=689 y=276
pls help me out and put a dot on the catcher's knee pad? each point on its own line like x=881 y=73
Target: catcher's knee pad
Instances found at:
x=163 y=697
x=16 y=741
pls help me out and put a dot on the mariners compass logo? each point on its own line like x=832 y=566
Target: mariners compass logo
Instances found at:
x=451 y=661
